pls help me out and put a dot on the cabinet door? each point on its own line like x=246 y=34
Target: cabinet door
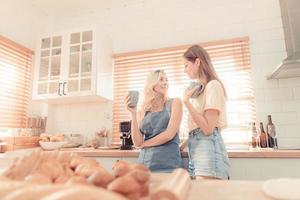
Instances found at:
x=49 y=66
x=80 y=63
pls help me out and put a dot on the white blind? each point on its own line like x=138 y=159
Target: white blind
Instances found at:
x=15 y=71
x=231 y=60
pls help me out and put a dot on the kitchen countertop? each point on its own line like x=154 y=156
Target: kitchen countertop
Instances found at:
x=91 y=152
x=262 y=153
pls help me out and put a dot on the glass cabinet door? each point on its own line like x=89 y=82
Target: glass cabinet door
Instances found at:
x=80 y=62
x=49 y=65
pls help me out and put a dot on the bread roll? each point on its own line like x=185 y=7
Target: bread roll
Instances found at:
x=139 y=167
x=38 y=178
x=120 y=168
x=87 y=169
x=52 y=168
x=140 y=176
x=62 y=179
x=84 y=192
x=77 y=180
x=8 y=186
x=79 y=160
x=124 y=185
x=101 y=178
x=32 y=192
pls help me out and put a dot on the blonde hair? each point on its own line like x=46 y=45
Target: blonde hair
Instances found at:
x=149 y=94
x=206 y=67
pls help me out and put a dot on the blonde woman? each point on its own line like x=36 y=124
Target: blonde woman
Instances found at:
x=208 y=158
x=155 y=128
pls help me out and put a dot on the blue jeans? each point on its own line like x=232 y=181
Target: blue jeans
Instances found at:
x=207 y=155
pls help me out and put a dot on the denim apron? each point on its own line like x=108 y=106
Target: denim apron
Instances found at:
x=165 y=157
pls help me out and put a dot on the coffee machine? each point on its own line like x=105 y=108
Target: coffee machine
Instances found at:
x=125 y=130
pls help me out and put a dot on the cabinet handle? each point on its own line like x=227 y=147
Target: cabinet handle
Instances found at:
x=59 y=84
x=64 y=88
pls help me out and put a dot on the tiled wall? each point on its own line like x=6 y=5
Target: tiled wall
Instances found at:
x=147 y=24
x=83 y=118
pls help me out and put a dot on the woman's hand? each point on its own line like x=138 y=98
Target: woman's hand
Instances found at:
x=183 y=145
x=187 y=94
x=127 y=102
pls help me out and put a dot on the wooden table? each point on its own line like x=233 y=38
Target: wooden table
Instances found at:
x=220 y=190
x=226 y=190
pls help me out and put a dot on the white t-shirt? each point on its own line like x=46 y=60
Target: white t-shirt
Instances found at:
x=213 y=97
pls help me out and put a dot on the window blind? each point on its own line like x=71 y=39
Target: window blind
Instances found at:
x=15 y=73
x=231 y=59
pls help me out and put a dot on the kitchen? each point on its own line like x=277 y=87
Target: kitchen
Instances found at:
x=124 y=27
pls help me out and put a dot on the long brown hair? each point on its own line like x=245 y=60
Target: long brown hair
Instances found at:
x=205 y=68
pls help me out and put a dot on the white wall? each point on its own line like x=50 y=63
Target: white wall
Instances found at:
x=139 y=25
x=84 y=119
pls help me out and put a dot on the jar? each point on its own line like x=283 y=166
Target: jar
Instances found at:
x=76 y=138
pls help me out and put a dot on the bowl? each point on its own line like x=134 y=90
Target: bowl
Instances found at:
x=52 y=145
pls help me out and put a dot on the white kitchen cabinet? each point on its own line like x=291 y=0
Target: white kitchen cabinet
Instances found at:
x=79 y=79
x=73 y=66
x=49 y=59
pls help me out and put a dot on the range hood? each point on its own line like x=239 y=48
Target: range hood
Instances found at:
x=290 y=66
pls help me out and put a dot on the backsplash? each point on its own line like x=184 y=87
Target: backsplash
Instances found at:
x=83 y=118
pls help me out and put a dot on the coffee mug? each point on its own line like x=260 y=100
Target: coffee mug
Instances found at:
x=199 y=89
x=134 y=98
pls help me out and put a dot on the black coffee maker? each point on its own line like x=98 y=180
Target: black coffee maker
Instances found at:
x=125 y=130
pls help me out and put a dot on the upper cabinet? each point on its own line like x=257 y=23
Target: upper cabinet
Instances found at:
x=80 y=65
x=72 y=66
x=49 y=68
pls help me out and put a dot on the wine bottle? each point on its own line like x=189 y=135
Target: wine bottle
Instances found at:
x=263 y=137
x=271 y=133
x=254 y=135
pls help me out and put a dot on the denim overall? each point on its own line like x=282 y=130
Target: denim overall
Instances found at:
x=165 y=157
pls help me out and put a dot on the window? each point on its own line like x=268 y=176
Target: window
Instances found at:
x=15 y=72
x=231 y=60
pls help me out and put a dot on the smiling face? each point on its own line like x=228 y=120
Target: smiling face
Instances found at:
x=192 y=68
x=162 y=85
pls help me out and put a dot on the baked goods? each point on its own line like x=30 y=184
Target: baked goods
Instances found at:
x=52 y=138
x=15 y=190
x=132 y=180
x=53 y=171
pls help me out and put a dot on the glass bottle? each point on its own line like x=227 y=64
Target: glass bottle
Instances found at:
x=272 y=133
x=254 y=135
x=263 y=137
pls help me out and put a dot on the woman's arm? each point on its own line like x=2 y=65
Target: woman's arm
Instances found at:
x=137 y=136
x=173 y=126
x=206 y=122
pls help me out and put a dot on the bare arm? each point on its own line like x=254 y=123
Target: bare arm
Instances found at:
x=137 y=136
x=207 y=122
x=173 y=126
